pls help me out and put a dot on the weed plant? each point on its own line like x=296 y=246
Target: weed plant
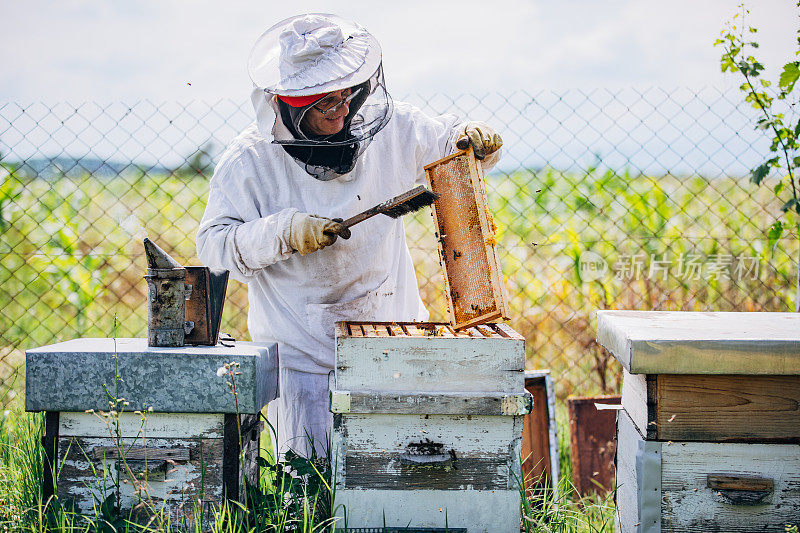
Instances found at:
x=557 y=511
x=562 y=510
x=21 y=467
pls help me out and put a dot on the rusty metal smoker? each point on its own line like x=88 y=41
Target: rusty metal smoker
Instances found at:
x=184 y=304
x=167 y=292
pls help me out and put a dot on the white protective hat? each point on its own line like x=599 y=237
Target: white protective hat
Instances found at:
x=312 y=54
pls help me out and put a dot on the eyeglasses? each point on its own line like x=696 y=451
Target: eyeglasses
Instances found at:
x=329 y=108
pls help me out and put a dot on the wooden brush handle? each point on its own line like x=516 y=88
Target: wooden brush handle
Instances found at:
x=364 y=215
x=380 y=208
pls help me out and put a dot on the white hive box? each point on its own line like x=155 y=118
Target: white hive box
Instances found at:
x=708 y=436
x=428 y=426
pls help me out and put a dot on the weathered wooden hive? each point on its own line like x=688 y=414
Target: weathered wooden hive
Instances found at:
x=428 y=426
x=710 y=423
x=540 y=440
x=189 y=447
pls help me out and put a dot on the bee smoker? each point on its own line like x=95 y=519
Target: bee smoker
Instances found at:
x=167 y=293
x=184 y=304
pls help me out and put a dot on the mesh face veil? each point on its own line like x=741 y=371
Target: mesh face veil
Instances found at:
x=318 y=54
x=327 y=157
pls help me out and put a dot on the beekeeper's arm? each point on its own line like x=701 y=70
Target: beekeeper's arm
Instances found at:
x=233 y=235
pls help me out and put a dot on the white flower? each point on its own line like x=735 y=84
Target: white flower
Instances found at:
x=221 y=371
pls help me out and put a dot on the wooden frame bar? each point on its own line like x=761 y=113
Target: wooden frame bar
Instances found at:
x=423 y=329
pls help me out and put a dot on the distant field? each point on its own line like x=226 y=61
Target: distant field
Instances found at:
x=72 y=257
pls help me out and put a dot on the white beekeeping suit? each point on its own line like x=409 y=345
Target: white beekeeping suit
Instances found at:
x=275 y=173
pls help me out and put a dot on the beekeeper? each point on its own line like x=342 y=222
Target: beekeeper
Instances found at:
x=328 y=142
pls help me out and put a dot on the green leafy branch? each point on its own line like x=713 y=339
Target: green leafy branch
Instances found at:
x=738 y=44
x=738 y=48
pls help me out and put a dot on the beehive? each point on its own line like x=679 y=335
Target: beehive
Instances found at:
x=709 y=431
x=540 y=437
x=428 y=425
x=187 y=448
x=593 y=443
x=467 y=247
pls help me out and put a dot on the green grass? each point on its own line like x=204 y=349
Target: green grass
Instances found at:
x=21 y=466
x=563 y=511
x=283 y=502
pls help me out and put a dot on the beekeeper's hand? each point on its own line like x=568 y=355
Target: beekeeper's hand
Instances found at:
x=484 y=139
x=309 y=233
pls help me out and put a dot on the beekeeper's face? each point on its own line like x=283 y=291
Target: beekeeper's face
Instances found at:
x=326 y=117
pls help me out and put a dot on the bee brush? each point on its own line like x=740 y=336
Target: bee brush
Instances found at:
x=408 y=202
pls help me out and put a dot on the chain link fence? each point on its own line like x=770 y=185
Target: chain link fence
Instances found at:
x=628 y=199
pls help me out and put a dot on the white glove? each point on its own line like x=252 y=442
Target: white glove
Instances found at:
x=309 y=233
x=482 y=137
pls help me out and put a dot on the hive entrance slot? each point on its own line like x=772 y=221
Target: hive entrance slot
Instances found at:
x=403 y=530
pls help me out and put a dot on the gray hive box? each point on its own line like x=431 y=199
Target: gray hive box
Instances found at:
x=187 y=446
x=707 y=439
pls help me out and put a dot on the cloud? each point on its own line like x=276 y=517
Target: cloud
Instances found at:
x=180 y=50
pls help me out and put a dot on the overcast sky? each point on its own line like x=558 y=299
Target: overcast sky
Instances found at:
x=179 y=50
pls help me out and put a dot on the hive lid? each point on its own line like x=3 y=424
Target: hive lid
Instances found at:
x=69 y=376
x=680 y=342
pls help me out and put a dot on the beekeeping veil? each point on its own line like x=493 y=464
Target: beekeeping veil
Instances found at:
x=313 y=55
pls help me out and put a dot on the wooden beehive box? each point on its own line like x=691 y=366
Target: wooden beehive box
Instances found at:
x=428 y=425
x=540 y=434
x=593 y=444
x=708 y=438
x=476 y=291
x=187 y=449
